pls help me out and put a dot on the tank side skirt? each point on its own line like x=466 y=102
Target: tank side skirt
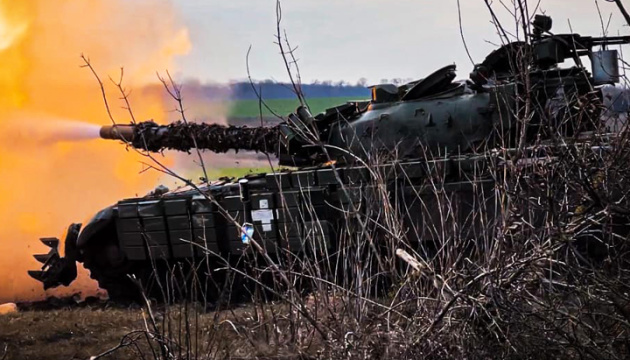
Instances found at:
x=288 y=209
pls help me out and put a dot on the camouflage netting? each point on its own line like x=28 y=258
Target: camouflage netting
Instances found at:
x=182 y=136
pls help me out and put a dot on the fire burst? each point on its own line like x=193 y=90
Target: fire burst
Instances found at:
x=46 y=184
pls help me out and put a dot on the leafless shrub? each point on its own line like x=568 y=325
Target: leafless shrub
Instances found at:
x=519 y=250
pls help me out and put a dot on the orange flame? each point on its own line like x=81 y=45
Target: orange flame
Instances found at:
x=44 y=186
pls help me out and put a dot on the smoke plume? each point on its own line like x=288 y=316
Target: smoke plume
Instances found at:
x=47 y=178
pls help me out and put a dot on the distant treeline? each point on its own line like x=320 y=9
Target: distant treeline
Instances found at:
x=271 y=90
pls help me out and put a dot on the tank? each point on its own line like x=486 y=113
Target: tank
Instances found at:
x=403 y=135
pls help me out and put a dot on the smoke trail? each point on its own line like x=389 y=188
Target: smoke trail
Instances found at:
x=24 y=129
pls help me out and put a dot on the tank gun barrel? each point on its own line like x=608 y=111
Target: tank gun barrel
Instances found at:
x=182 y=136
x=117 y=132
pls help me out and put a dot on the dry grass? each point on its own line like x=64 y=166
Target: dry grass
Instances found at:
x=83 y=332
x=73 y=333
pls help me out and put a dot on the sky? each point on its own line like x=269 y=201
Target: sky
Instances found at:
x=350 y=39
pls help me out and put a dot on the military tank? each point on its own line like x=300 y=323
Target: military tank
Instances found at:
x=402 y=136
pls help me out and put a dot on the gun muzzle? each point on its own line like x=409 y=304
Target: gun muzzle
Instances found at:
x=117 y=132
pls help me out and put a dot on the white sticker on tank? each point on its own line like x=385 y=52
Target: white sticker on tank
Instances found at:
x=264 y=204
x=265 y=217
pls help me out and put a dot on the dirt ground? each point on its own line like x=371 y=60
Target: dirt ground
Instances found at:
x=66 y=330
x=69 y=333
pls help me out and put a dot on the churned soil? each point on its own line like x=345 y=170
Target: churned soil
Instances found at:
x=66 y=333
x=62 y=329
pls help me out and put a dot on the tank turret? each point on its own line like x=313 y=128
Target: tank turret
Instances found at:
x=433 y=114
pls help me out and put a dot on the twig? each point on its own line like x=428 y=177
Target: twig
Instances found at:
x=461 y=33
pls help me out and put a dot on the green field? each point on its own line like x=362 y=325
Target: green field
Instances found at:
x=236 y=172
x=251 y=108
x=214 y=173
